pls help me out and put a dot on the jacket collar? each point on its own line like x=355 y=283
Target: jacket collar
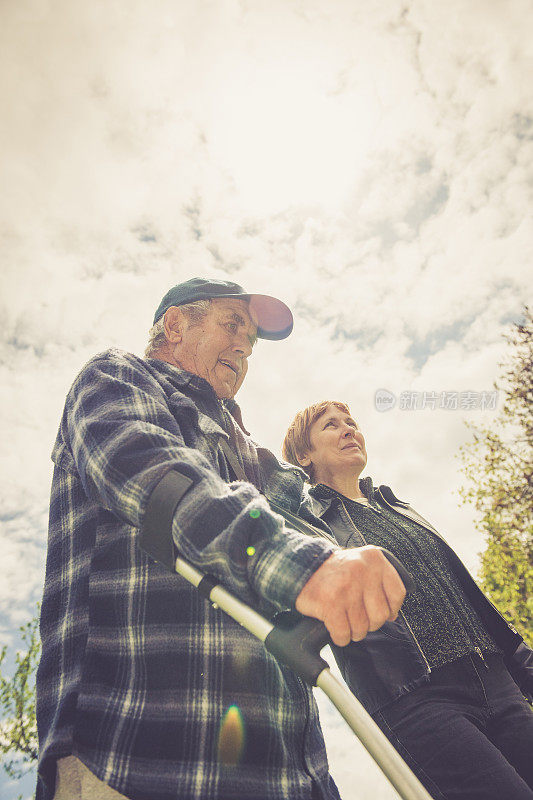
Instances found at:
x=323 y=496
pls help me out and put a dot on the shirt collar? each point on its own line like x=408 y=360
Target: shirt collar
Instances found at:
x=181 y=378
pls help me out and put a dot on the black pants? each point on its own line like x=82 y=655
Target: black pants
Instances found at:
x=467 y=734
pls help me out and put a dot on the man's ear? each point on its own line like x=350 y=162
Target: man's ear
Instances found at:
x=173 y=324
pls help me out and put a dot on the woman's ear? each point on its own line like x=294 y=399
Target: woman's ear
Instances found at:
x=303 y=461
x=173 y=324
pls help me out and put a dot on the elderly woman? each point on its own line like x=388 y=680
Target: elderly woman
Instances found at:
x=442 y=679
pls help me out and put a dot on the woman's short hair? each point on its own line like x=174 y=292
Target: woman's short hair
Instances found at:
x=297 y=442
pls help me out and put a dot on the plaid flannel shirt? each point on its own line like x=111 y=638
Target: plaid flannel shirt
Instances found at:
x=138 y=671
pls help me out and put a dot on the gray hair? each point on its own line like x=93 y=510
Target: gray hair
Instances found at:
x=195 y=312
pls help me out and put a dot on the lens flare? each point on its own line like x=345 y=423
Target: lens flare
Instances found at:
x=231 y=737
x=250 y=551
x=255 y=513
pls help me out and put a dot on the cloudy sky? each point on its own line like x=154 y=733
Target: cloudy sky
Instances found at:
x=368 y=162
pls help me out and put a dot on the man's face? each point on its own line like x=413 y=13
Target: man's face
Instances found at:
x=337 y=446
x=218 y=348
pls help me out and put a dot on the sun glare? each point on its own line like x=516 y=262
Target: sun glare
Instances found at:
x=284 y=138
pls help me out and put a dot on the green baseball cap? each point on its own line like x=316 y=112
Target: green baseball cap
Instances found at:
x=274 y=318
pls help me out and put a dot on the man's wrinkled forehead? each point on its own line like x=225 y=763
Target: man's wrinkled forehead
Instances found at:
x=239 y=309
x=234 y=304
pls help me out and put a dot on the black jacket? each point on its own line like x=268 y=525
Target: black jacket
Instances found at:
x=389 y=662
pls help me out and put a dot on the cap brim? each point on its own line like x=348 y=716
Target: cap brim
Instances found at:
x=274 y=318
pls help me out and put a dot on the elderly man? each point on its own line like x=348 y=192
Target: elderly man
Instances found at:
x=438 y=679
x=144 y=690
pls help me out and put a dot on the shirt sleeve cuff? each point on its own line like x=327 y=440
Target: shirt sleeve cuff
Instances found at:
x=285 y=565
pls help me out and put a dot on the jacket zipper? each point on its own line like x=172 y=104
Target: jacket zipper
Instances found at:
x=430 y=528
x=415 y=640
x=401 y=612
x=480 y=654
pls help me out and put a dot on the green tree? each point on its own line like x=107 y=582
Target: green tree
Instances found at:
x=498 y=463
x=18 y=729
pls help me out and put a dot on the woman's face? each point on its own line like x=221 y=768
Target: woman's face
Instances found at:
x=337 y=446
